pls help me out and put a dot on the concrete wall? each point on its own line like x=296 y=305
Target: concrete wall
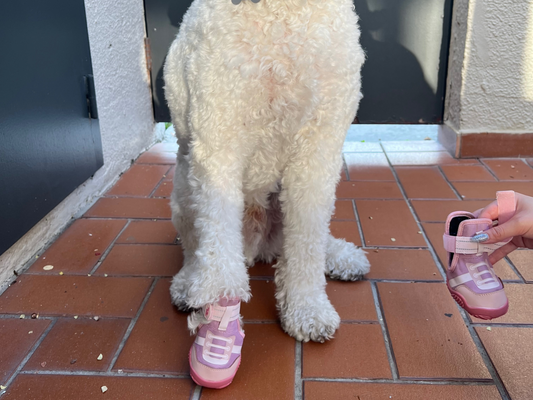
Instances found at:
x=490 y=76
x=116 y=35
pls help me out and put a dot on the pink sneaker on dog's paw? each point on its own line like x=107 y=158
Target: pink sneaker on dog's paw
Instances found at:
x=215 y=354
x=471 y=279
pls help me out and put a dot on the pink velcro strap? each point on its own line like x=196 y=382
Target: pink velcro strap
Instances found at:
x=465 y=245
x=449 y=242
x=506 y=205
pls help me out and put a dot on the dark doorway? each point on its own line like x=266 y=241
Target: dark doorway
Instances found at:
x=50 y=137
x=406 y=42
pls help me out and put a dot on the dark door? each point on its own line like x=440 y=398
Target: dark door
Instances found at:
x=406 y=42
x=49 y=144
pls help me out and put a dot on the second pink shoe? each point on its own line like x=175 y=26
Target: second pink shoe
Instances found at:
x=471 y=279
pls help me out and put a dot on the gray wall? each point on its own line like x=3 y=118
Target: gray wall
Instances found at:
x=116 y=35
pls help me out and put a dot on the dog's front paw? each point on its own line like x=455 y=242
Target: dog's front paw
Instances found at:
x=314 y=319
x=345 y=261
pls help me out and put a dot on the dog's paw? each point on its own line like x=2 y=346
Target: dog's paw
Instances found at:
x=314 y=319
x=345 y=261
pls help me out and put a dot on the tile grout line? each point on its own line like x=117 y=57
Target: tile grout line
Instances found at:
x=415 y=217
x=148 y=244
x=145 y=163
x=500 y=325
x=61 y=317
x=454 y=190
x=298 y=361
x=30 y=354
x=486 y=359
x=159 y=183
x=134 y=219
x=106 y=374
x=475 y=338
x=385 y=332
x=132 y=325
x=432 y=251
x=35 y=256
x=109 y=248
x=489 y=170
x=358 y=221
x=197 y=392
x=514 y=269
x=405 y=381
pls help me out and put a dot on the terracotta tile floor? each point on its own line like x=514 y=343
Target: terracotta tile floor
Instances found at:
x=401 y=336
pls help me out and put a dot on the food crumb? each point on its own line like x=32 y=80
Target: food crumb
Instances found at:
x=392 y=239
x=105 y=275
x=100 y=357
x=2 y=387
x=489 y=328
x=104 y=389
x=30 y=332
x=48 y=267
x=96 y=318
x=34 y=316
x=22 y=316
x=75 y=317
x=60 y=272
x=43 y=364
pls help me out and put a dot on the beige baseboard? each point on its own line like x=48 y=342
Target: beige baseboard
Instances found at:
x=485 y=145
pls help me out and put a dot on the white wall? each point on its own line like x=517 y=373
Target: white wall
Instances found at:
x=490 y=76
x=116 y=35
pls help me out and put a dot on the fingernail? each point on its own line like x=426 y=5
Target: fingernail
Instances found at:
x=480 y=237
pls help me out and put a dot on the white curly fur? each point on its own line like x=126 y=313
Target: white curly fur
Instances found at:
x=261 y=97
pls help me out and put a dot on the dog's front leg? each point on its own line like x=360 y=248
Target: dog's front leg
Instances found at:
x=308 y=192
x=215 y=178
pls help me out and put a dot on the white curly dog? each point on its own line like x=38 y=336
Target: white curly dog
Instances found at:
x=261 y=97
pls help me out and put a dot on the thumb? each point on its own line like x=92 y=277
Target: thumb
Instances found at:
x=501 y=232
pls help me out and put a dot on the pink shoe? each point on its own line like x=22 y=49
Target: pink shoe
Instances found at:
x=215 y=354
x=472 y=281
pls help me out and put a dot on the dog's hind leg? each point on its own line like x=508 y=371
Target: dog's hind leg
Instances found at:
x=273 y=245
x=345 y=261
x=256 y=226
x=262 y=229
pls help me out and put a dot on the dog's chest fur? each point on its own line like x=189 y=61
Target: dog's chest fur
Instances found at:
x=260 y=73
x=283 y=56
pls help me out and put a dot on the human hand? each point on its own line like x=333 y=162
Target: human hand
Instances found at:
x=519 y=227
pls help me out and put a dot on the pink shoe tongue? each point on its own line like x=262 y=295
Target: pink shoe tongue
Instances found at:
x=471 y=226
x=225 y=302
